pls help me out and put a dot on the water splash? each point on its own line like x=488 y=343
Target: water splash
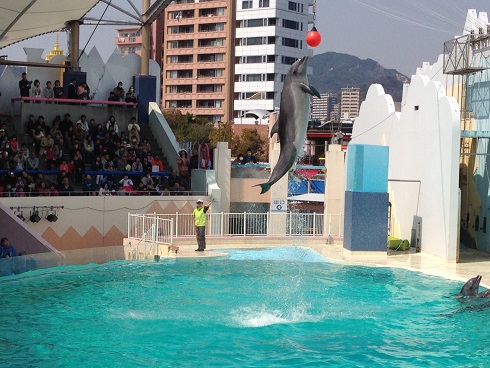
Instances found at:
x=289 y=254
x=261 y=316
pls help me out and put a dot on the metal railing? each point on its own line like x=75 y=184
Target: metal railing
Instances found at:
x=150 y=232
x=270 y=224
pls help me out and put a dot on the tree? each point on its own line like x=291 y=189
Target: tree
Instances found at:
x=250 y=138
x=188 y=128
x=222 y=132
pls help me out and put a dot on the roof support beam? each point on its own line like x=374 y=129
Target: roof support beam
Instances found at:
x=17 y=18
x=120 y=9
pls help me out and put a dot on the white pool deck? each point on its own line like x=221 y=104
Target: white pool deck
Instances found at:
x=471 y=262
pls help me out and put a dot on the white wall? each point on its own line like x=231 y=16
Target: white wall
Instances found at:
x=424 y=159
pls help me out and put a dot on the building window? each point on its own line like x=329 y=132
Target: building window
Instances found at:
x=181 y=29
x=253 y=41
x=253 y=59
x=255 y=23
x=203 y=104
x=247 y=4
x=263 y=3
x=210 y=73
x=180 y=104
x=291 y=24
x=181 y=44
x=207 y=58
x=180 y=89
x=186 y=73
x=180 y=14
x=252 y=77
x=211 y=42
x=290 y=42
x=211 y=12
x=175 y=59
x=288 y=60
x=209 y=88
x=213 y=27
x=295 y=7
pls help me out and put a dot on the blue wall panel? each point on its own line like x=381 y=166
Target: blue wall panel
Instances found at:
x=145 y=89
x=366 y=221
x=367 y=168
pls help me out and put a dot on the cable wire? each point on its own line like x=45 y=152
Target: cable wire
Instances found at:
x=98 y=22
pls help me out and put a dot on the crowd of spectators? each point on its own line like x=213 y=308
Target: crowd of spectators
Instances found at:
x=83 y=155
x=75 y=91
x=69 y=156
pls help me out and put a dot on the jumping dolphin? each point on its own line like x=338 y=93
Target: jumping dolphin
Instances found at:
x=471 y=287
x=293 y=120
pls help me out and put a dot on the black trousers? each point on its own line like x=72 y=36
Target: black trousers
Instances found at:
x=201 y=237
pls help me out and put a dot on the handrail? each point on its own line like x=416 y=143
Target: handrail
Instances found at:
x=86 y=172
x=267 y=166
x=74 y=101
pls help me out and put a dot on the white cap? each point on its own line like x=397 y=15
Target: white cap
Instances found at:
x=199 y=201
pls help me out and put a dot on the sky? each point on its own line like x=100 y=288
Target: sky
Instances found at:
x=399 y=34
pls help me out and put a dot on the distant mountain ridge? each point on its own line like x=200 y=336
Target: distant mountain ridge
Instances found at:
x=333 y=71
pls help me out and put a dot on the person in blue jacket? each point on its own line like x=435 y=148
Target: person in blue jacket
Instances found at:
x=6 y=250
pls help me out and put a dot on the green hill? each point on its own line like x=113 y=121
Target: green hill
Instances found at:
x=333 y=71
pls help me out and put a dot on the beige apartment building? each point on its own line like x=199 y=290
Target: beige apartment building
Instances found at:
x=198 y=58
x=350 y=102
x=128 y=41
x=194 y=42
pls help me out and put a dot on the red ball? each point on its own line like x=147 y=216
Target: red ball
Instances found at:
x=313 y=38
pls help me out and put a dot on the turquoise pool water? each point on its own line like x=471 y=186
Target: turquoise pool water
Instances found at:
x=285 y=307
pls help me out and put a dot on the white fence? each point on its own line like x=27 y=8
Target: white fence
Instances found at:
x=274 y=224
x=150 y=232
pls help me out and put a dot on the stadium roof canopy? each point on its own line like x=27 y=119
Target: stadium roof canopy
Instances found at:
x=23 y=19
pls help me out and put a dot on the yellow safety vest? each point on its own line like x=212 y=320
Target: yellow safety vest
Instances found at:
x=200 y=216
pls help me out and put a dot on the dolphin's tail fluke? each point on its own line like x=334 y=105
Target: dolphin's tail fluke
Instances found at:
x=265 y=187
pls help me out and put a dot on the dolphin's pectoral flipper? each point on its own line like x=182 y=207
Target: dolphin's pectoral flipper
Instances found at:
x=315 y=91
x=275 y=128
x=310 y=90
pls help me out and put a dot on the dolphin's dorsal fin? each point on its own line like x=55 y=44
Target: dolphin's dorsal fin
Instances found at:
x=310 y=90
x=275 y=128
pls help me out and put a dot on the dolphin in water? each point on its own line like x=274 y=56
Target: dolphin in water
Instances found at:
x=470 y=288
x=293 y=120
x=484 y=294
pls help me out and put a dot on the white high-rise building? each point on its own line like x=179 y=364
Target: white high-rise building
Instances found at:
x=270 y=36
x=323 y=107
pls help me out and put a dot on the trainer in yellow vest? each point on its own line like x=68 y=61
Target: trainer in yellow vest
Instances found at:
x=200 y=221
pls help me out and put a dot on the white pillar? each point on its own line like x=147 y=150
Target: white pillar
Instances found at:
x=334 y=188
x=222 y=167
x=279 y=194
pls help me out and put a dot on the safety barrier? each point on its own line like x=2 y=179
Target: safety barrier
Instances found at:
x=270 y=224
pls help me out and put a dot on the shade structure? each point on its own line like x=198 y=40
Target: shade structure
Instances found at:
x=23 y=19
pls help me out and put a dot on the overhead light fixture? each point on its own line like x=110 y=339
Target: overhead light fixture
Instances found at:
x=35 y=217
x=52 y=217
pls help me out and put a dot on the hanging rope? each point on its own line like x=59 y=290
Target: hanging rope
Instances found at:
x=98 y=22
x=314 y=13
